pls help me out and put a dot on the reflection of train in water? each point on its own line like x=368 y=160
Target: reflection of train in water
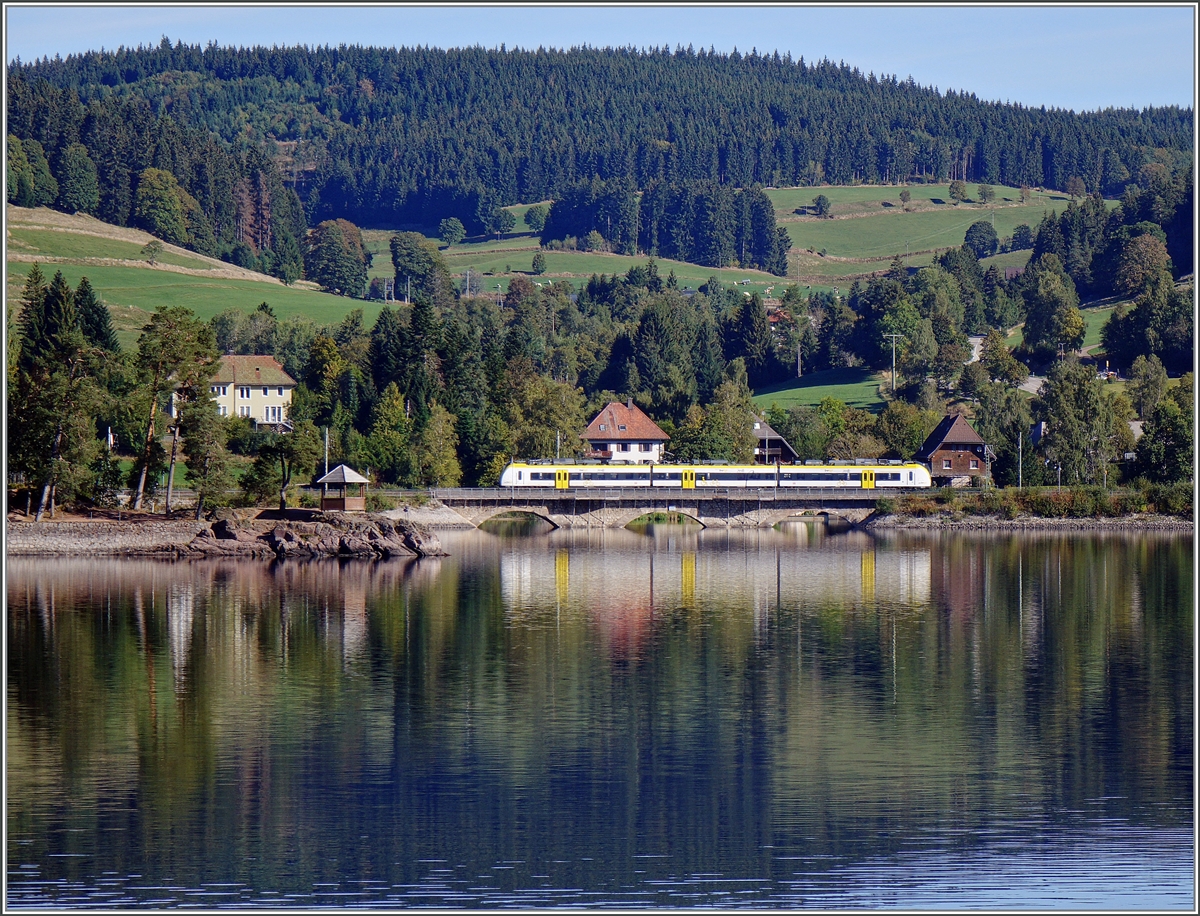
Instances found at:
x=845 y=475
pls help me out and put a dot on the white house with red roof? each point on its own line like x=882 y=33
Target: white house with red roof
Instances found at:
x=623 y=433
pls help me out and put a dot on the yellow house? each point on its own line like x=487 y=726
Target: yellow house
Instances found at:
x=254 y=387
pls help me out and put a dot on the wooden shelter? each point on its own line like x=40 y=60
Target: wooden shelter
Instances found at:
x=343 y=490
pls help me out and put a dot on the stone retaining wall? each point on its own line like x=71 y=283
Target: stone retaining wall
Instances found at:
x=107 y=538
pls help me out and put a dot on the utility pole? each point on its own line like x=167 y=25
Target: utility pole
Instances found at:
x=894 y=336
x=467 y=294
x=1020 y=457
x=326 y=449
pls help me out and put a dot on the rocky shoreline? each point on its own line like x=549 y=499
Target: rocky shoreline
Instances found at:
x=267 y=535
x=948 y=522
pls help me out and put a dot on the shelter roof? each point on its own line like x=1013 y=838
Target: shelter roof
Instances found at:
x=342 y=474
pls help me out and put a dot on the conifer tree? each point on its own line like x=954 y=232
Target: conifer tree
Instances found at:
x=79 y=187
x=94 y=318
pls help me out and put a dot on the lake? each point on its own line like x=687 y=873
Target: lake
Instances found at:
x=662 y=717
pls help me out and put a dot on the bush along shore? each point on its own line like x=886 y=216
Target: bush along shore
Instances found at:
x=1157 y=506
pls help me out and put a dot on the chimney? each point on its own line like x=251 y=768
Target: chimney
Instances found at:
x=629 y=404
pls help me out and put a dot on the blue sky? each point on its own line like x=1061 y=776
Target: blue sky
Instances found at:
x=1079 y=57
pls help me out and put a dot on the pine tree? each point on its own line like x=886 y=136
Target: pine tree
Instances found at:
x=172 y=344
x=94 y=318
x=79 y=187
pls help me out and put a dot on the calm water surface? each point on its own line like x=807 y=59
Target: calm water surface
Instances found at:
x=659 y=718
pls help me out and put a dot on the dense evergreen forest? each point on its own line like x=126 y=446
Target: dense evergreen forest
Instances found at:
x=385 y=137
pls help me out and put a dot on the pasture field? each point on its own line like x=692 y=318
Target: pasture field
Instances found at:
x=132 y=294
x=884 y=234
x=855 y=387
x=110 y=257
x=880 y=198
x=498 y=262
x=1094 y=320
x=64 y=244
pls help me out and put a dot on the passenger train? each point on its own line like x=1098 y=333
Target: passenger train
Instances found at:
x=847 y=475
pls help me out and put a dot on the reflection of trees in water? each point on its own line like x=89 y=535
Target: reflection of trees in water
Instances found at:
x=710 y=696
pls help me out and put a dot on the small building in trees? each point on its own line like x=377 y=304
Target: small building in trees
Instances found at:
x=955 y=453
x=624 y=434
x=256 y=387
x=770 y=447
x=343 y=490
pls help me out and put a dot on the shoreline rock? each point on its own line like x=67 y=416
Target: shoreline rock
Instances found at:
x=267 y=535
x=1140 y=522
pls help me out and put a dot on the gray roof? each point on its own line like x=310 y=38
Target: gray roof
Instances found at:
x=343 y=474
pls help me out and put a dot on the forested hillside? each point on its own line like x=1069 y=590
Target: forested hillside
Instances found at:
x=275 y=159
x=385 y=137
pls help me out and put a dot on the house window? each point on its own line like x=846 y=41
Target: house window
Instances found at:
x=603 y=428
x=244 y=393
x=946 y=464
x=266 y=390
x=974 y=464
x=624 y=446
x=243 y=411
x=619 y=427
x=281 y=391
x=221 y=410
x=220 y=389
x=273 y=414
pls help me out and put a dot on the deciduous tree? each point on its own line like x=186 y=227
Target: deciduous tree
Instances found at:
x=451 y=231
x=173 y=344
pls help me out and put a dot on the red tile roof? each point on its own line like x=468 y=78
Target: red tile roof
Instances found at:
x=252 y=370
x=953 y=430
x=619 y=422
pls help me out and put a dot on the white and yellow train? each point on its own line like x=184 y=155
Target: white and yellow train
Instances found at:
x=847 y=475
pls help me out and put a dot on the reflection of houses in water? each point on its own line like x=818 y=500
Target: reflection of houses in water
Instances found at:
x=621 y=590
x=181 y=614
x=354 y=620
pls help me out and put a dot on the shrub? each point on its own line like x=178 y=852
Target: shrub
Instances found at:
x=885 y=506
x=1171 y=499
x=377 y=502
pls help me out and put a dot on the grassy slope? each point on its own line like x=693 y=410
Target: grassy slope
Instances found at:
x=134 y=290
x=856 y=387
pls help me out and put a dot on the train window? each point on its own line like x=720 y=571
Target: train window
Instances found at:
x=520 y=474
x=857 y=477
x=673 y=476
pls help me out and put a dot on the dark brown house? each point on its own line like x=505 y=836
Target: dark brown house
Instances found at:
x=955 y=452
x=771 y=448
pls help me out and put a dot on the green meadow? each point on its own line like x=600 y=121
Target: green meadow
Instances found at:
x=63 y=244
x=855 y=387
x=874 y=198
x=133 y=293
x=887 y=233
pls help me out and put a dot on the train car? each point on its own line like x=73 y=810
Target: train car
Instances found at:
x=866 y=476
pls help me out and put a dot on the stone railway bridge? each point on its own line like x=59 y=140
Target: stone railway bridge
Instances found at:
x=712 y=508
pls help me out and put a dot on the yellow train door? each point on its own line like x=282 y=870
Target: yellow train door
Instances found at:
x=689 y=480
x=868 y=479
x=560 y=479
